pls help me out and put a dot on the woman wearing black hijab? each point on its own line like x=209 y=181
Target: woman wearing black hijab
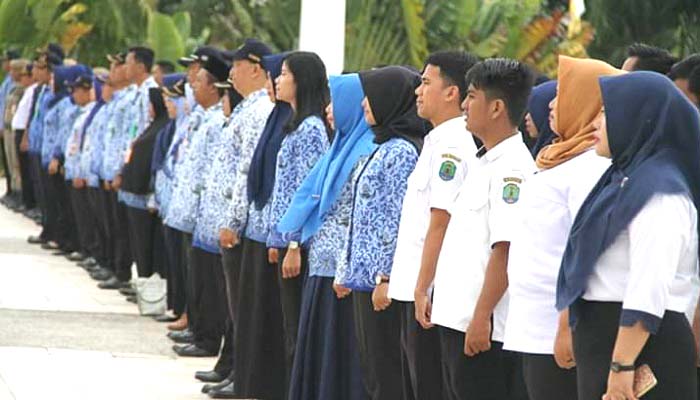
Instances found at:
x=379 y=187
x=145 y=227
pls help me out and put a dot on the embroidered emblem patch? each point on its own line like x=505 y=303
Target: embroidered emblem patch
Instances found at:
x=511 y=193
x=448 y=169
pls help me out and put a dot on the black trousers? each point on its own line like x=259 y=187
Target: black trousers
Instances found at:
x=40 y=184
x=5 y=165
x=28 y=196
x=290 y=297
x=119 y=226
x=187 y=255
x=545 y=380
x=146 y=239
x=492 y=375
x=670 y=352
x=59 y=204
x=99 y=204
x=379 y=343
x=85 y=222
x=259 y=368
x=421 y=368
x=208 y=299
x=176 y=265
x=231 y=263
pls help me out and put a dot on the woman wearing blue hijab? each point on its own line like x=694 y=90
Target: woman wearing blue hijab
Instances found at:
x=326 y=365
x=537 y=117
x=629 y=274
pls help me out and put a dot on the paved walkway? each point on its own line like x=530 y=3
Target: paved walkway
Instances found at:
x=63 y=338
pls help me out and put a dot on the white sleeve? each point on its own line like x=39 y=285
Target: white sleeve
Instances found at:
x=447 y=172
x=658 y=236
x=504 y=205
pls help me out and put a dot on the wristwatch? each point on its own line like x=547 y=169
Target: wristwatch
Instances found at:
x=617 y=367
x=379 y=279
x=293 y=245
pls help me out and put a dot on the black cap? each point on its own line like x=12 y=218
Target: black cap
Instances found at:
x=252 y=50
x=216 y=66
x=119 y=58
x=197 y=55
x=10 y=55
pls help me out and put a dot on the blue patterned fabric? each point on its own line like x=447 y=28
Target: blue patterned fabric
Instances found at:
x=378 y=192
x=251 y=115
x=298 y=154
x=93 y=147
x=116 y=134
x=5 y=88
x=189 y=178
x=36 y=120
x=73 y=152
x=165 y=176
x=258 y=226
x=57 y=123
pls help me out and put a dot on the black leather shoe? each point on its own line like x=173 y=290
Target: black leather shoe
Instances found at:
x=35 y=240
x=51 y=245
x=165 y=318
x=101 y=274
x=60 y=252
x=112 y=283
x=88 y=262
x=226 y=392
x=211 y=386
x=132 y=299
x=209 y=376
x=191 y=350
x=76 y=256
x=127 y=291
x=182 y=337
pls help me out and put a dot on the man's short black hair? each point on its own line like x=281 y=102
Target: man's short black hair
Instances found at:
x=505 y=79
x=694 y=81
x=650 y=58
x=454 y=66
x=143 y=55
x=682 y=69
x=166 y=67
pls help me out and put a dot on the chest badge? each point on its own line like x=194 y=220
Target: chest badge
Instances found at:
x=448 y=169
x=511 y=193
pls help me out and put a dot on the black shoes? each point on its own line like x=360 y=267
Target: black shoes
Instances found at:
x=76 y=256
x=191 y=350
x=127 y=291
x=101 y=274
x=132 y=299
x=209 y=376
x=182 y=337
x=165 y=318
x=51 y=245
x=112 y=283
x=215 y=386
x=226 y=392
x=88 y=262
x=35 y=240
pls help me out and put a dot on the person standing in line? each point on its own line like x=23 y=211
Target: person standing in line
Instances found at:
x=325 y=362
x=439 y=173
x=470 y=281
x=567 y=171
x=627 y=280
x=390 y=110
x=23 y=79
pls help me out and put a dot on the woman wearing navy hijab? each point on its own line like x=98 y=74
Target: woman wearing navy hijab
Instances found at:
x=630 y=271
x=537 y=117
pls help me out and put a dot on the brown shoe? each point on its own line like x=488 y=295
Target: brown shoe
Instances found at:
x=180 y=324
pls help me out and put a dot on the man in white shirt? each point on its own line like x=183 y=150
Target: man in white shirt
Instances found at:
x=470 y=279
x=439 y=173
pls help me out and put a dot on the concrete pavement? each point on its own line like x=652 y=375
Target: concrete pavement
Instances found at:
x=63 y=338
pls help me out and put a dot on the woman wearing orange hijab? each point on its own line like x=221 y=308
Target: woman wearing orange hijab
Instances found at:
x=568 y=170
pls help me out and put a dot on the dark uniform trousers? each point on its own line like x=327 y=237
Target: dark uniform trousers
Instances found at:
x=146 y=239
x=176 y=264
x=290 y=297
x=99 y=202
x=28 y=195
x=208 y=290
x=119 y=227
x=85 y=222
x=231 y=263
x=40 y=184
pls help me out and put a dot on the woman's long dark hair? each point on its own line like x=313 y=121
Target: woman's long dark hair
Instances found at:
x=313 y=94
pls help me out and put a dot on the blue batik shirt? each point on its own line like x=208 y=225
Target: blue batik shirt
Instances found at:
x=328 y=247
x=248 y=124
x=93 y=147
x=73 y=152
x=191 y=173
x=299 y=152
x=102 y=135
x=166 y=175
x=5 y=88
x=57 y=123
x=378 y=192
x=36 y=125
x=68 y=117
x=117 y=133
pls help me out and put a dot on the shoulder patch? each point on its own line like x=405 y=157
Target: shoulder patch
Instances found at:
x=452 y=157
x=511 y=193
x=513 y=179
x=448 y=169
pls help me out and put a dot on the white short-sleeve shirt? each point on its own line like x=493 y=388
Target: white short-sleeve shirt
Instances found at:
x=550 y=201
x=434 y=183
x=481 y=216
x=652 y=266
x=21 y=117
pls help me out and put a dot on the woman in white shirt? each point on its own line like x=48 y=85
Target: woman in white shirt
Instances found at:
x=568 y=170
x=630 y=270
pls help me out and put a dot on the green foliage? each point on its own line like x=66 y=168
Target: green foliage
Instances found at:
x=164 y=36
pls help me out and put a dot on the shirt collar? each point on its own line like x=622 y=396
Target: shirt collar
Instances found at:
x=501 y=148
x=251 y=98
x=444 y=130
